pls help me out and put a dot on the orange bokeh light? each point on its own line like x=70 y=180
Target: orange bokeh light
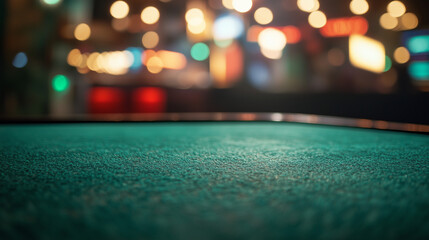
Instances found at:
x=342 y=27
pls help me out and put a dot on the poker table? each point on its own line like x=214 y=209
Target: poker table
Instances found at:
x=211 y=180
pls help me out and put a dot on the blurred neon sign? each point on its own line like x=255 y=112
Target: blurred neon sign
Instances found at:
x=342 y=27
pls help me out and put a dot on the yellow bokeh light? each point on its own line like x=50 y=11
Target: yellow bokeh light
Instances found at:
x=119 y=9
x=115 y=63
x=272 y=38
x=74 y=58
x=82 y=32
x=227 y=4
x=150 y=15
x=154 y=65
x=197 y=29
x=317 y=19
x=359 y=7
x=272 y=41
x=263 y=15
x=92 y=63
x=271 y=54
x=194 y=16
x=150 y=39
x=388 y=22
x=367 y=53
x=82 y=63
x=242 y=5
x=172 y=60
x=396 y=8
x=401 y=55
x=409 y=21
x=308 y=5
x=83 y=70
x=195 y=19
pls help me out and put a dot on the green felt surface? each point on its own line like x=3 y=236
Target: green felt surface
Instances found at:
x=212 y=180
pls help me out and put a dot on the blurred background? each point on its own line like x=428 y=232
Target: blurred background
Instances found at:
x=350 y=58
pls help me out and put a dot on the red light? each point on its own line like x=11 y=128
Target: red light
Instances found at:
x=292 y=33
x=106 y=100
x=342 y=27
x=234 y=62
x=149 y=100
x=253 y=33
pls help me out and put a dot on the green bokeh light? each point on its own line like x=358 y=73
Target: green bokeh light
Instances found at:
x=60 y=83
x=51 y=2
x=200 y=51
x=419 y=44
x=388 y=64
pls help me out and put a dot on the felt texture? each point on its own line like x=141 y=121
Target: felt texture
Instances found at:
x=243 y=180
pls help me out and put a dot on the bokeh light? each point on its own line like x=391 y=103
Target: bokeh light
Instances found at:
x=367 y=53
x=419 y=44
x=388 y=22
x=308 y=5
x=292 y=33
x=92 y=63
x=150 y=39
x=272 y=41
x=317 y=19
x=155 y=65
x=194 y=16
x=359 y=7
x=115 y=63
x=74 y=58
x=263 y=15
x=119 y=9
x=387 y=64
x=396 y=8
x=197 y=29
x=82 y=32
x=51 y=2
x=227 y=4
x=200 y=51
x=242 y=5
x=60 y=83
x=150 y=15
x=172 y=60
x=20 y=60
x=401 y=55
x=137 y=55
x=196 y=23
x=419 y=70
x=409 y=21
x=341 y=27
x=227 y=27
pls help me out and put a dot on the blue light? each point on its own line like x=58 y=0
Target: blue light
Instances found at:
x=20 y=60
x=419 y=70
x=137 y=56
x=228 y=27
